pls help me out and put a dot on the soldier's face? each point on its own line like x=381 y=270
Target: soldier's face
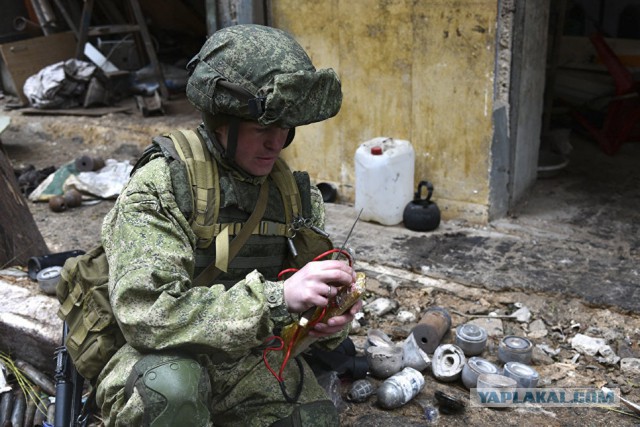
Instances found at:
x=258 y=146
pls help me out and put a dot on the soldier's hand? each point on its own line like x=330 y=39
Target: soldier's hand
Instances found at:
x=315 y=283
x=336 y=323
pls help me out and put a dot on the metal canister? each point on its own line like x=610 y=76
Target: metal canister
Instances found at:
x=515 y=349
x=48 y=279
x=472 y=339
x=400 y=388
x=448 y=362
x=37 y=263
x=361 y=390
x=475 y=367
x=525 y=375
x=72 y=198
x=500 y=384
x=57 y=204
x=88 y=164
x=435 y=323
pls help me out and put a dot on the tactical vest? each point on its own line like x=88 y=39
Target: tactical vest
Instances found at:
x=220 y=205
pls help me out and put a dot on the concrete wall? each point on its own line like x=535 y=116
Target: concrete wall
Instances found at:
x=421 y=71
x=527 y=94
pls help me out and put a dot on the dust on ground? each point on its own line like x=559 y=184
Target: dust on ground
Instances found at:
x=52 y=141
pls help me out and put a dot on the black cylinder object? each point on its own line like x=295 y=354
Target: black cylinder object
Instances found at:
x=329 y=192
x=422 y=214
x=37 y=263
x=19 y=408
x=89 y=164
x=428 y=333
x=6 y=406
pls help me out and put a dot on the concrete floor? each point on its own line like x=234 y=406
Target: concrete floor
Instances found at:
x=575 y=234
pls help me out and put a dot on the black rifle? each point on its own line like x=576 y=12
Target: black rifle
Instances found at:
x=69 y=384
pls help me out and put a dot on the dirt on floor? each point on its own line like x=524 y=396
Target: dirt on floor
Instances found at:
x=49 y=140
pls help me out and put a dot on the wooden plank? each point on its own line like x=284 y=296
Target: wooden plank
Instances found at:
x=93 y=112
x=20 y=237
x=25 y=58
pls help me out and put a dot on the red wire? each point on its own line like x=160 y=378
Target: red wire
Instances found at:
x=268 y=349
x=333 y=251
x=294 y=338
x=287 y=356
x=285 y=271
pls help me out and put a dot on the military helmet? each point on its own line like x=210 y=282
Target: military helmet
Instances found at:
x=261 y=73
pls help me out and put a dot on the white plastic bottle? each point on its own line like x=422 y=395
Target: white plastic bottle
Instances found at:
x=384 y=179
x=400 y=388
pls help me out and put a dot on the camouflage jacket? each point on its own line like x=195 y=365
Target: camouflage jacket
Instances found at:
x=150 y=248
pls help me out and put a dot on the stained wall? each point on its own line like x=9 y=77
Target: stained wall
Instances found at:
x=416 y=70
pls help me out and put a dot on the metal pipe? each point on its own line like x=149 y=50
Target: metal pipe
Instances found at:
x=6 y=406
x=67 y=17
x=19 y=407
x=37 y=377
x=22 y=24
x=45 y=15
x=30 y=413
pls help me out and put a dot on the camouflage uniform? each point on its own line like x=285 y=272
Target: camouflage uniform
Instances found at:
x=151 y=248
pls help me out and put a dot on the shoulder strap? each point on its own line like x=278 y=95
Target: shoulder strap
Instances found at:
x=225 y=252
x=205 y=183
x=286 y=183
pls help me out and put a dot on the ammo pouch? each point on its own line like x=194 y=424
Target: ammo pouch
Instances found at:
x=94 y=335
x=309 y=244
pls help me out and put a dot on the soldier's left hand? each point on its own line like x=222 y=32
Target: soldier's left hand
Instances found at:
x=336 y=323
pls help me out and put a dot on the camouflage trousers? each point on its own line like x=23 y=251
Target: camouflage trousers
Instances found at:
x=243 y=393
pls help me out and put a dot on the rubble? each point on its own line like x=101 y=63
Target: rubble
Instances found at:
x=492 y=326
x=380 y=306
x=630 y=366
x=595 y=346
x=523 y=314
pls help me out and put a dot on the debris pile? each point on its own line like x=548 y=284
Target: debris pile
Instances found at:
x=484 y=347
x=26 y=394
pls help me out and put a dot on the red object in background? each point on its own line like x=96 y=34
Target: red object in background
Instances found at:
x=623 y=112
x=30 y=11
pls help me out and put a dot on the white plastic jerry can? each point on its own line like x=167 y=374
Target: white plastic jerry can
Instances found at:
x=384 y=179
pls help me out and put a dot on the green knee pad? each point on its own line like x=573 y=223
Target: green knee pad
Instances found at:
x=321 y=413
x=174 y=390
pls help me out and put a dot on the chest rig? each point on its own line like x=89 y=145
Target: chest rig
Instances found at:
x=218 y=206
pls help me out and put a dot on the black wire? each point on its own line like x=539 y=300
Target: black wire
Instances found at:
x=283 y=387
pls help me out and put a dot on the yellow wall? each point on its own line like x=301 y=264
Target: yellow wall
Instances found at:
x=415 y=70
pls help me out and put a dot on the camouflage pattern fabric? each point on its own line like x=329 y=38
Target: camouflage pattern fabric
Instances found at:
x=150 y=248
x=244 y=63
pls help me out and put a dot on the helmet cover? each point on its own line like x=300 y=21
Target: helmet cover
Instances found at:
x=261 y=73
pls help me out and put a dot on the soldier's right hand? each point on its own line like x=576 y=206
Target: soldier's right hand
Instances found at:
x=315 y=283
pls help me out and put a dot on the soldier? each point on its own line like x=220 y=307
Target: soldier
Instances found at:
x=195 y=355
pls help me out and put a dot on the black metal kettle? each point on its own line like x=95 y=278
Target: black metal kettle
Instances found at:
x=422 y=214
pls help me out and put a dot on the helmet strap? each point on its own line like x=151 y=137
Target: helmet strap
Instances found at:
x=232 y=139
x=290 y=136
